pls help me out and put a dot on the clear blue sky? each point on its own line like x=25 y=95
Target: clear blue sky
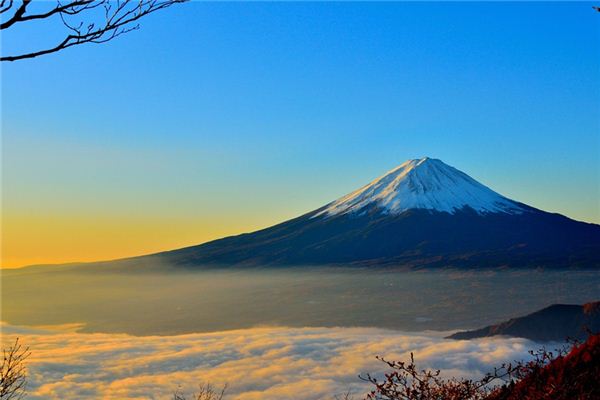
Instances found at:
x=251 y=113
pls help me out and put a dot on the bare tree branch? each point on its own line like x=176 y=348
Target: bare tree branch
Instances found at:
x=13 y=373
x=66 y=9
x=5 y=5
x=119 y=17
x=17 y=15
x=206 y=392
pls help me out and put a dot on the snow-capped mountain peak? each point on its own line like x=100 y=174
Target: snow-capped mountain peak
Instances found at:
x=425 y=183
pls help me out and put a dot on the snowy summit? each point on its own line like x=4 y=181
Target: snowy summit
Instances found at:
x=425 y=183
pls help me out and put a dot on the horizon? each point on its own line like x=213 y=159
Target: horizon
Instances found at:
x=179 y=147
x=424 y=158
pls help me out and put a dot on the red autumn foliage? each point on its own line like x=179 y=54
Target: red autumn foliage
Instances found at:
x=561 y=375
x=575 y=375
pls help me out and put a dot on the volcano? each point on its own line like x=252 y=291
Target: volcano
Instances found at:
x=424 y=213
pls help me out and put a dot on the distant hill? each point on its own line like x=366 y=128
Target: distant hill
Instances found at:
x=554 y=323
x=423 y=213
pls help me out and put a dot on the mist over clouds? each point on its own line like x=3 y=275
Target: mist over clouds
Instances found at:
x=258 y=363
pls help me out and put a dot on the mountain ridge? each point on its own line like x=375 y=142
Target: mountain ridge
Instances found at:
x=367 y=232
x=556 y=322
x=371 y=226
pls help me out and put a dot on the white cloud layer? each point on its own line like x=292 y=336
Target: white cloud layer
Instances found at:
x=258 y=363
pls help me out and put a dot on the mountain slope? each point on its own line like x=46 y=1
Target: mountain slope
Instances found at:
x=424 y=184
x=423 y=213
x=554 y=323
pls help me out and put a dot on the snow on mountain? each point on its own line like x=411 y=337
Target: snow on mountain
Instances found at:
x=424 y=183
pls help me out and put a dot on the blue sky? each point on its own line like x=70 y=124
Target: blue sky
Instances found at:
x=217 y=118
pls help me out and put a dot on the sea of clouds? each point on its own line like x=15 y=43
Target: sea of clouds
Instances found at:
x=259 y=363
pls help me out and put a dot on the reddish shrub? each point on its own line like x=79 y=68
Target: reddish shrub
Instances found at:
x=562 y=375
x=575 y=375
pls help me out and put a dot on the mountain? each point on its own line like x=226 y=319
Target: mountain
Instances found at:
x=423 y=213
x=555 y=323
x=425 y=184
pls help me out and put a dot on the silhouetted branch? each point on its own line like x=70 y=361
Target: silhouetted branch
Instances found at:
x=118 y=17
x=347 y=395
x=406 y=382
x=206 y=392
x=13 y=373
